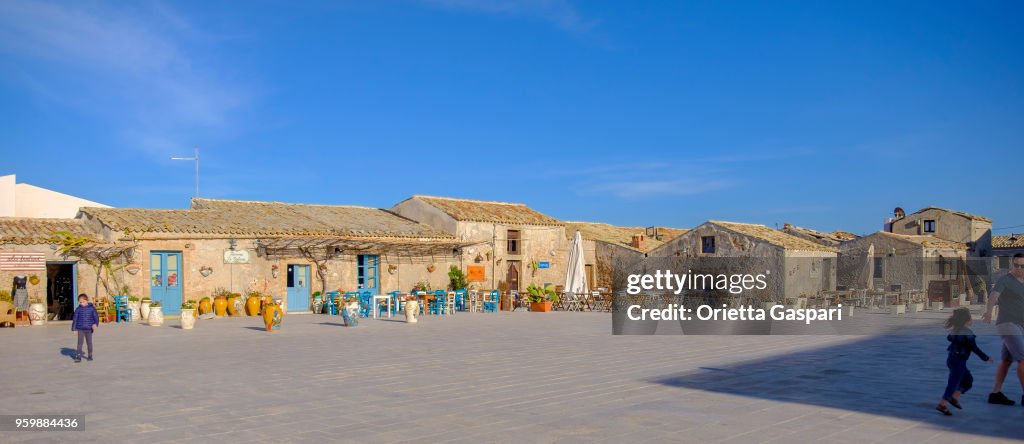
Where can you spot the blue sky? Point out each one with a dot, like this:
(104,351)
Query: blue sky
(821,114)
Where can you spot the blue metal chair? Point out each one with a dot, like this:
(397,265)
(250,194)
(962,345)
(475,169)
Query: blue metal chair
(460,299)
(418,293)
(395,303)
(121,309)
(330,307)
(491,301)
(365,304)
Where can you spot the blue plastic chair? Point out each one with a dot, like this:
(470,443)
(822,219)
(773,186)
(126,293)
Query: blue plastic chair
(365,304)
(394,301)
(491,301)
(121,309)
(330,307)
(440,302)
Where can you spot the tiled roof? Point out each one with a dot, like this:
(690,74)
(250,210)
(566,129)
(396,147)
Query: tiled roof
(1008,241)
(926,240)
(832,239)
(774,237)
(958,213)
(466,210)
(621,236)
(248,218)
(24,230)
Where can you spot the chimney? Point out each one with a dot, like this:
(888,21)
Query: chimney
(638,241)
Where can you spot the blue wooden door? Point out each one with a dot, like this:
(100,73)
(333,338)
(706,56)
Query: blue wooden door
(298,288)
(366,272)
(165,280)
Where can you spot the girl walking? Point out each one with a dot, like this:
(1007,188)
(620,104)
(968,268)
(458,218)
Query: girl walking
(962,344)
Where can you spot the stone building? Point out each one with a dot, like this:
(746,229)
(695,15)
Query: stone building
(24,200)
(510,245)
(25,250)
(883,260)
(806,268)
(287,250)
(604,245)
(973,231)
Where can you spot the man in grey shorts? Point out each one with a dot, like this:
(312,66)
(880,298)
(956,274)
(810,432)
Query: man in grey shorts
(1008,294)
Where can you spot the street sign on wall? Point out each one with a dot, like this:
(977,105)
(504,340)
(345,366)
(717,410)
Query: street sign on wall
(236,256)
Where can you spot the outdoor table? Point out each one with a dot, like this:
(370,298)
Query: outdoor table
(376,304)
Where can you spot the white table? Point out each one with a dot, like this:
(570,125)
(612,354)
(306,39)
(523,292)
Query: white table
(376,304)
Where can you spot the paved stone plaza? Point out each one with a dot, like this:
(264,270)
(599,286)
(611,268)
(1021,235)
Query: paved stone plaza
(505,377)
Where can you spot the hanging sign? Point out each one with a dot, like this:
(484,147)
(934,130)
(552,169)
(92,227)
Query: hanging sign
(22,261)
(544,264)
(236,256)
(475,273)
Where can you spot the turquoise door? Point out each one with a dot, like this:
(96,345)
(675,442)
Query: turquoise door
(165,280)
(366,272)
(298,288)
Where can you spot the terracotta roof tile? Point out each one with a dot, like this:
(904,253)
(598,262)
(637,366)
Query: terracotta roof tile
(618,235)
(1008,241)
(774,237)
(466,210)
(926,240)
(25,231)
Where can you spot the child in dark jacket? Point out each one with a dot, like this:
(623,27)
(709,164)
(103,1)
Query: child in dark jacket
(85,321)
(962,344)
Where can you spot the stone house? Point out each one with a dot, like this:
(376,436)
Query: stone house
(510,245)
(832,239)
(604,245)
(883,260)
(806,268)
(25,250)
(287,250)
(971,230)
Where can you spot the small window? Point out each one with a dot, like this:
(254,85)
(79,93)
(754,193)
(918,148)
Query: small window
(878,268)
(707,244)
(1004,262)
(929,226)
(513,241)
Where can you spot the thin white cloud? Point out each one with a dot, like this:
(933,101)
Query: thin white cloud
(561,13)
(119,63)
(634,189)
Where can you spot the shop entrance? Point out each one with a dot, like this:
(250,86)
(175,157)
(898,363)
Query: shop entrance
(61,289)
(298,287)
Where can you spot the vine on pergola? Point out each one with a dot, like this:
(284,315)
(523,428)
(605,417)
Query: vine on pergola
(106,261)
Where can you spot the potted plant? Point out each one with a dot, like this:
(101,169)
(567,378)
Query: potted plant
(392,268)
(456,279)
(541,298)
(431,268)
(34,280)
(36,311)
(156,314)
(252,302)
(272,315)
(146,306)
(205,305)
(350,311)
(916,303)
(111,312)
(234,304)
(188,315)
(134,306)
(318,302)
(220,302)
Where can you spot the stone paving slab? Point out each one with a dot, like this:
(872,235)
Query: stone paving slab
(502,377)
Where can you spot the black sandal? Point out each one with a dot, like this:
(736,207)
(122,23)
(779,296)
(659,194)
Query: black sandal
(955,403)
(944,410)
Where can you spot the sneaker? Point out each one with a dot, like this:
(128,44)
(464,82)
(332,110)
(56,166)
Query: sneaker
(1000,398)
(78,359)
(90,359)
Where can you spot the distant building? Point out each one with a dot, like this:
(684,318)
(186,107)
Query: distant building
(888,261)
(799,267)
(604,243)
(513,244)
(971,230)
(1003,249)
(24,200)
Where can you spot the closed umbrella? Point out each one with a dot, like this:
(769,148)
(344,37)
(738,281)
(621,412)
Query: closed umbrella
(575,274)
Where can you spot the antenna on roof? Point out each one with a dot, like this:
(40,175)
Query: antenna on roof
(196,159)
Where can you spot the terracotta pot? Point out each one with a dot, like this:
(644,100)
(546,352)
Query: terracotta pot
(252,306)
(37,314)
(540,306)
(145,309)
(156,316)
(272,315)
(188,318)
(234,306)
(205,306)
(220,305)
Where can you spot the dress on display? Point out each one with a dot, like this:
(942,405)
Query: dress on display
(20,293)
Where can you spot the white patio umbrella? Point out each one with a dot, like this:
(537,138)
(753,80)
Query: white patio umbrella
(576,272)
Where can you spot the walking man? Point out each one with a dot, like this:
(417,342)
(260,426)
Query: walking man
(1008,294)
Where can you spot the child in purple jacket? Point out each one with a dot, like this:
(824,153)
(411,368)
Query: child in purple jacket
(85,321)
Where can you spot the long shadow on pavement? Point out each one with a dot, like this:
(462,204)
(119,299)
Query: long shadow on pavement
(900,377)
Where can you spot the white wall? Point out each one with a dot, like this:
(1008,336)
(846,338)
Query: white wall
(24,200)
